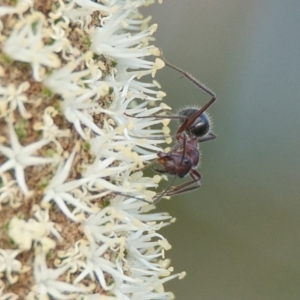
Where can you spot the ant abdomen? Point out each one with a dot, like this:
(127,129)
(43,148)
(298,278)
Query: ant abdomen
(200,127)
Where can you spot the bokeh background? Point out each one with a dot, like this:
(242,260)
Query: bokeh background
(238,236)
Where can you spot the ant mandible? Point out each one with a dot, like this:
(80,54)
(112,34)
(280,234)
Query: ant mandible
(184,156)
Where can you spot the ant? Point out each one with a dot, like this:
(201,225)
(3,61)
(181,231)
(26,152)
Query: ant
(184,157)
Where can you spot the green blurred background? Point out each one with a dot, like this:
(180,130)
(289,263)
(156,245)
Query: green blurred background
(238,236)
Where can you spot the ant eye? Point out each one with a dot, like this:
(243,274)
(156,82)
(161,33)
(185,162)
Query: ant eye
(186,161)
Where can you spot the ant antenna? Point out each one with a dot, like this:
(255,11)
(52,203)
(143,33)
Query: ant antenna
(155,201)
(137,198)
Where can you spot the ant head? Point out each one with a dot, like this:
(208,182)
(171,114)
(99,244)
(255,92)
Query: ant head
(200,127)
(174,163)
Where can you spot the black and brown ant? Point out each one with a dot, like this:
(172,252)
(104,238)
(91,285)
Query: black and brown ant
(184,156)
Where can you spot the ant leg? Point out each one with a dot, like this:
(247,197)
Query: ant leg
(200,85)
(190,78)
(176,190)
(160,195)
(157,116)
(137,198)
(206,138)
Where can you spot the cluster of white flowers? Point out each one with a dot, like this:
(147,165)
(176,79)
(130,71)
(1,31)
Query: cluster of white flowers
(74,217)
